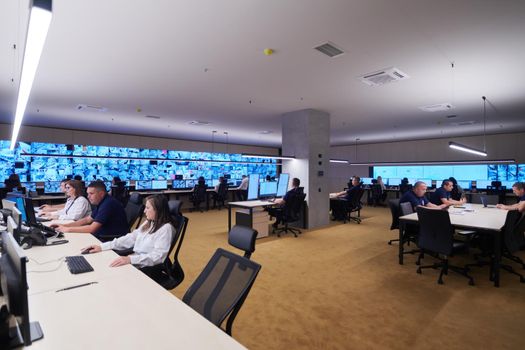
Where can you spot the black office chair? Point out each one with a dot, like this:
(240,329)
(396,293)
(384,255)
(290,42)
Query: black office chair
(354,205)
(173,273)
(120,193)
(243,238)
(220,290)
(134,209)
(377,194)
(198,196)
(395,210)
(289,213)
(404,187)
(436,237)
(220,197)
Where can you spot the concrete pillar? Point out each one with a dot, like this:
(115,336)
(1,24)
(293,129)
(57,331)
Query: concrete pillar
(306,135)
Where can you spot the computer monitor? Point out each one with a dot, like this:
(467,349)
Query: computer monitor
(482,184)
(143,185)
(411,181)
(394,181)
(366,180)
(268,189)
(464,184)
(19,200)
(178,184)
(52,187)
(508,184)
(159,184)
(253,186)
(30,186)
(282,185)
(14,287)
(178,177)
(30,211)
(428,182)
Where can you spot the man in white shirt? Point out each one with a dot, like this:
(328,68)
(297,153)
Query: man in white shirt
(242,190)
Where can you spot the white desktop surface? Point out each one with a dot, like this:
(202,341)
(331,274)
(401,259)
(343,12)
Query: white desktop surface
(123,310)
(480,217)
(250,204)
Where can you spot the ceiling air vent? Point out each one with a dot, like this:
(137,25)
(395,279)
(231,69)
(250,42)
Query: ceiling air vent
(437,107)
(329,49)
(470,122)
(198,122)
(153,117)
(383,76)
(91,108)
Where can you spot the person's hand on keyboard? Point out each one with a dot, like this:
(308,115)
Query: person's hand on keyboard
(120,261)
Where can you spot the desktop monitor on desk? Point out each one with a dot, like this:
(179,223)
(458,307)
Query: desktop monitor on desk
(159,184)
(52,187)
(366,180)
(394,181)
(464,184)
(268,189)
(483,184)
(14,287)
(19,201)
(428,182)
(282,186)
(253,187)
(143,185)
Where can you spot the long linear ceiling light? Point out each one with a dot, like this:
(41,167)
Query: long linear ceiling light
(249,155)
(343,161)
(145,159)
(39,20)
(463,148)
(444,162)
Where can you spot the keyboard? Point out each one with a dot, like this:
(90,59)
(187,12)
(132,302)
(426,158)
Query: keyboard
(78,264)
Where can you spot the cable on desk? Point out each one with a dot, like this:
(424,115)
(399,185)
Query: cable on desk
(60,260)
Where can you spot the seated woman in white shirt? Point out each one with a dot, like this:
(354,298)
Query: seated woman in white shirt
(76,207)
(150,242)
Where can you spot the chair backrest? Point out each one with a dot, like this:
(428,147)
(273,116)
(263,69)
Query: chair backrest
(199,193)
(243,238)
(395,210)
(119,193)
(222,190)
(355,201)
(513,229)
(134,208)
(293,206)
(222,287)
(175,207)
(404,187)
(406,208)
(435,230)
(376,190)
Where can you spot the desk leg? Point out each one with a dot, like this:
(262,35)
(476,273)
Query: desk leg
(207,201)
(229,218)
(401,242)
(497,256)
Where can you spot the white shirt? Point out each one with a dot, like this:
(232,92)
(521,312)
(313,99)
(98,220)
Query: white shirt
(244,184)
(149,249)
(75,209)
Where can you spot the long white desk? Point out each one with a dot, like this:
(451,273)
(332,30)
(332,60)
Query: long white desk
(123,310)
(253,207)
(473,216)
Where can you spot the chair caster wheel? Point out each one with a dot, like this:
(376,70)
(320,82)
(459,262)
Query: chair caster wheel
(440,282)
(471,283)
(389,243)
(418,270)
(522,280)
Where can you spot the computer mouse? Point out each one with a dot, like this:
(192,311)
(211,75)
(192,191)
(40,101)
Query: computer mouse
(60,234)
(86,251)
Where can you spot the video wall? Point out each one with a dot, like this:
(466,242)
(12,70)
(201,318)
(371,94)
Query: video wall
(45,162)
(489,172)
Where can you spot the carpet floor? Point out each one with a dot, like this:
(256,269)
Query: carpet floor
(341,287)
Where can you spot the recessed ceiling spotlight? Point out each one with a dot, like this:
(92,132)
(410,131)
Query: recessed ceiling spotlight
(83,107)
(199,122)
(437,107)
(264,132)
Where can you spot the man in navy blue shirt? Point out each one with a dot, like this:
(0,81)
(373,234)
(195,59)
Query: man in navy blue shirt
(277,212)
(108,218)
(443,195)
(337,200)
(417,197)
(519,190)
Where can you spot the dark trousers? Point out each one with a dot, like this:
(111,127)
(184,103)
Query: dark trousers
(338,208)
(277,213)
(242,195)
(156,273)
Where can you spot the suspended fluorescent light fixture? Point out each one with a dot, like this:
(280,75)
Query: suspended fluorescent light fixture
(249,155)
(460,147)
(444,162)
(39,20)
(343,161)
(463,148)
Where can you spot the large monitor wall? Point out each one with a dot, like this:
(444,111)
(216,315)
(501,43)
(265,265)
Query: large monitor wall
(44,162)
(490,172)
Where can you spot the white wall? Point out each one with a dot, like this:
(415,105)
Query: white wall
(66,136)
(501,146)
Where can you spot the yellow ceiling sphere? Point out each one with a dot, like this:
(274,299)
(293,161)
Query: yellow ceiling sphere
(268,52)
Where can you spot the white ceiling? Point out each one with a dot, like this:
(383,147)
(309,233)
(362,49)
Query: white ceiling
(203,60)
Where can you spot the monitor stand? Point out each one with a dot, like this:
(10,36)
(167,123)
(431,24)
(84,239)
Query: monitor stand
(16,338)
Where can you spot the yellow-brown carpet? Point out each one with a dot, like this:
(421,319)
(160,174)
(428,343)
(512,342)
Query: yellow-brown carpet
(341,287)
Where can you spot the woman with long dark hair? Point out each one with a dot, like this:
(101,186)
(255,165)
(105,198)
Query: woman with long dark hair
(150,242)
(77,206)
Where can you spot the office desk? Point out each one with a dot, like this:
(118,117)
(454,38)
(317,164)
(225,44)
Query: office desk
(48,198)
(123,310)
(489,220)
(185,192)
(253,207)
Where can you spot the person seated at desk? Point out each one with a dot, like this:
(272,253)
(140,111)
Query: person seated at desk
(216,190)
(13,184)
(443,195)
(457,192)
(417,197)
(277,211)
(108,217)
(519,190)
(48,208)
(151,242)
(76,207)
(404,186)
(337,200)
(242,190)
